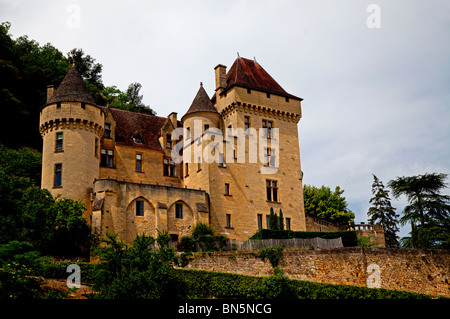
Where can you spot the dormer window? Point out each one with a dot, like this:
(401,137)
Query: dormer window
(107,130)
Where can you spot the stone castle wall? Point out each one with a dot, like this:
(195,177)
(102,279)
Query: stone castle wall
(416,270)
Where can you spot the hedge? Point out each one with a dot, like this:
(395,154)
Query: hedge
(207,284)
(348,237)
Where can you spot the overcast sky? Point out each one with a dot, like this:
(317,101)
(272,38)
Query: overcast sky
(376,100)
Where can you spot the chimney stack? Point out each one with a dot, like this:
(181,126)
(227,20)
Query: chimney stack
(173,118)
(50,91)
(221,77)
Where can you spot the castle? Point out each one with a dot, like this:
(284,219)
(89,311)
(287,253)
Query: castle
(225,162)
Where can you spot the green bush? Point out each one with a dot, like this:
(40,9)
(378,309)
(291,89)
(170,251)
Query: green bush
(209,284)
(273,254)
(348,237)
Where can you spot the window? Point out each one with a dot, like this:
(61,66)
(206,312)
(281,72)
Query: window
(179,210)
(269,157)
(246,122)
(221,164)
(168,141)
(139,208)
(228,220)
(205,127)
(107,158)
(58,105)
(267,128)
(272,190)
(96,148)
(227,189)
(169,167)
(249,91)
(267,221)
(288,223)
(186,170)
(268,95)
(259,219)
(138,162)
(173,237)
(58,175)
(59,142)
(83,105)
(107,130)
(287,99)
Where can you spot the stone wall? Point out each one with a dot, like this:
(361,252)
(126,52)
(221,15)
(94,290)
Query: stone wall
(417,270)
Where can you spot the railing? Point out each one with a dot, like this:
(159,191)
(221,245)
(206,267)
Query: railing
(257,244)
(378,228)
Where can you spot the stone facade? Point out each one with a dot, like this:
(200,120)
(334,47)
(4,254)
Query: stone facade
(417,270)
(120,163)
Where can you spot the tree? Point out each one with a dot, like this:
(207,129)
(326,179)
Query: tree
(428,211)
(326,204)
(138,272)
(129,100)
(381,212)
(281,220)
(273,220)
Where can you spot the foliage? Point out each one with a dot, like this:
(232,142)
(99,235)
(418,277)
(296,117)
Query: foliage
(364,241)
(276,222)
(137,272)
(209,284)
(203,237)
(327,205)
(428,210)
(383,213)
(273,254)
(29,213)
(348,237)
(26,68)
(18,260)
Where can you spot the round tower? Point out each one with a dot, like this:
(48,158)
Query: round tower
(71,125)
(202,115)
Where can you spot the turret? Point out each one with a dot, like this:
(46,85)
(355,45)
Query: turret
(71,125)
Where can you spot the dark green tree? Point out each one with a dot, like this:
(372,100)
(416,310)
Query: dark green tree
(281,220)
(381,212)
(326,204)
(428,211)
(138,271)
(273,220)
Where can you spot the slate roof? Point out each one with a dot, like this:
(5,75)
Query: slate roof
(201,103)
(250,74)
(138,129)
(72,89)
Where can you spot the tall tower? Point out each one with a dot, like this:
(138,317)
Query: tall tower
(200,117)
(247,97)
(71,125)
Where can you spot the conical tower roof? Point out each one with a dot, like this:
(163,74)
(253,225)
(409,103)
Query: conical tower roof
(201,103)
(72,89)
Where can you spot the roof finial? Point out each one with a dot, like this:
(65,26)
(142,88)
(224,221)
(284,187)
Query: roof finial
(238,55)
(254,59)
(201,83)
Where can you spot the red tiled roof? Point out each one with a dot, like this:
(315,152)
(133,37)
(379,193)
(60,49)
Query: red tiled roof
(249,74)
(130,125)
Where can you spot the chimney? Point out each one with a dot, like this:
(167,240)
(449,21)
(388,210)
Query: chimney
(50,91)
(221,76)
(173,118)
